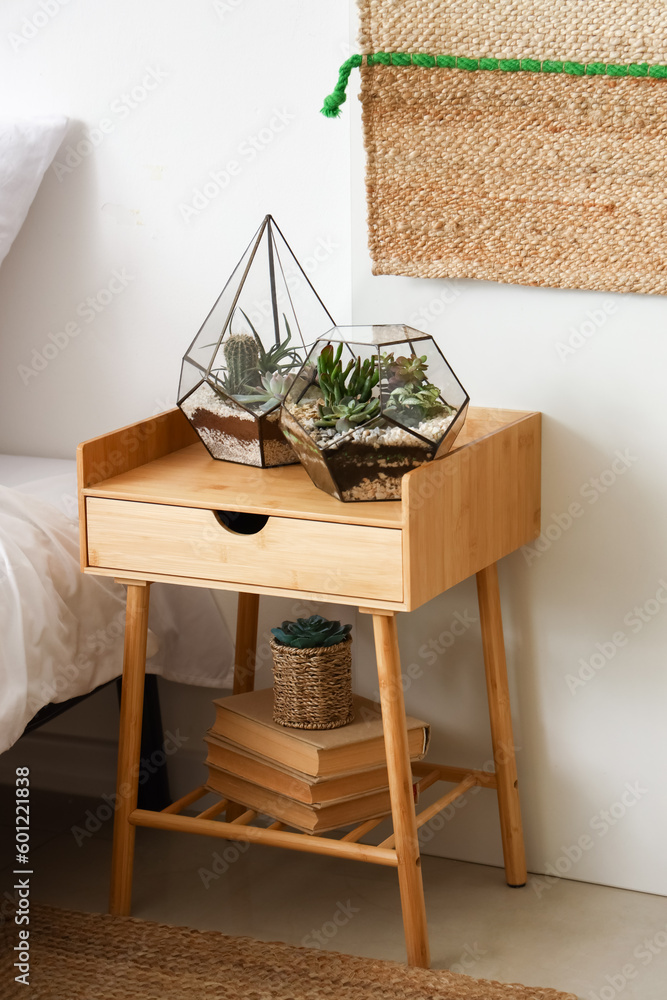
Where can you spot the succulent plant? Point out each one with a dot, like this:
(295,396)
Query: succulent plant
(311,633)
(414,403)
(348,413)
(347,392)
(274,388)
(356,381)
(278,358)
(247,362)
(401,371)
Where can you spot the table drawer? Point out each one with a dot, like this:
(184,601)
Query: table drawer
(287,553)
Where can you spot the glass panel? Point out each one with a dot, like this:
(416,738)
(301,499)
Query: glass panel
(190,376)
(370,404)
(202,347)
(369,462)
(311,315)
(378,335)
(419,390)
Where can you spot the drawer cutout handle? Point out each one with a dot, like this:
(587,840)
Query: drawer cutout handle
(241,522)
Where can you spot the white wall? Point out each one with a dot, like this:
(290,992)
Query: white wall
(233,82)
(581,743)
(227,67)
(229,87)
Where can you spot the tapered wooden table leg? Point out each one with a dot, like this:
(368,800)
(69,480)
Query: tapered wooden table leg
(501,725)
(245,651)
(245,654)
(400,790)
(129,747)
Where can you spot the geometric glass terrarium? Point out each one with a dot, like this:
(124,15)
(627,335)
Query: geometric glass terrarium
(244,358)
(370,404)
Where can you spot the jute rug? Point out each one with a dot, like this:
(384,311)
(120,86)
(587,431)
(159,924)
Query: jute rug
(519,141)
(80,956)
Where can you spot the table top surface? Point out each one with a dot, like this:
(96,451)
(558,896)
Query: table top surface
(190,477)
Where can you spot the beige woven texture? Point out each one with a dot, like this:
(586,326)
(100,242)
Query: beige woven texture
(312,687)
(528,178)
(82,956)
(581,30)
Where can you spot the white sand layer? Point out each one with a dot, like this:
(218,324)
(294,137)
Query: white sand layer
(388,435)
(230,448)
(205,398)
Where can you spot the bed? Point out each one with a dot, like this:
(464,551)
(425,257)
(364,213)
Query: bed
(61,633)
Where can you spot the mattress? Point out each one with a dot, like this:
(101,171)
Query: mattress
(61,632)
(49,479)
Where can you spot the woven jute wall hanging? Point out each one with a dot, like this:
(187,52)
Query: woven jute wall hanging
(520,141)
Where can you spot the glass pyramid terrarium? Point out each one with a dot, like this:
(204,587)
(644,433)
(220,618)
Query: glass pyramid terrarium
(370,404)
(244,359)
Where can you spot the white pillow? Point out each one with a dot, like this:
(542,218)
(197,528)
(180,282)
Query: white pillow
(27,147)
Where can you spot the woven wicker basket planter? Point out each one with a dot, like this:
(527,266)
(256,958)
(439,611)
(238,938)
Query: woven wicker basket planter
(312,687)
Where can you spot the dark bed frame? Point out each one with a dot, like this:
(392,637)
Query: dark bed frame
(154,793)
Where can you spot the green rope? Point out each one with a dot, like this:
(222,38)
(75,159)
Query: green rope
(332,103)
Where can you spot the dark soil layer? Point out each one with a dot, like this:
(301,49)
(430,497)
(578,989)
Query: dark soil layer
(243,430)
(354,462)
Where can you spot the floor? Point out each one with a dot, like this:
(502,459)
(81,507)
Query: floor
(571,936)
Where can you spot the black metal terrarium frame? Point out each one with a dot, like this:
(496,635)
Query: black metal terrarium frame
(267,230)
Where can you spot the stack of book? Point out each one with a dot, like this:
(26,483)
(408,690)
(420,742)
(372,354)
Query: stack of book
(312,780)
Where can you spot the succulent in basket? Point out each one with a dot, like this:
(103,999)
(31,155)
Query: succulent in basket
(310,633)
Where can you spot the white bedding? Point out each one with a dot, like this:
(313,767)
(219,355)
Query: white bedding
(27,147)
(61,633)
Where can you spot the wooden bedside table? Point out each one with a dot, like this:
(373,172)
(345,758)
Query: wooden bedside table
(156,507)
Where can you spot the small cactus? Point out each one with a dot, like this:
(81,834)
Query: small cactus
(241,358)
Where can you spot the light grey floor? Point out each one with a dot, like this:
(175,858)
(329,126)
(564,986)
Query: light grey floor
(573,936)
